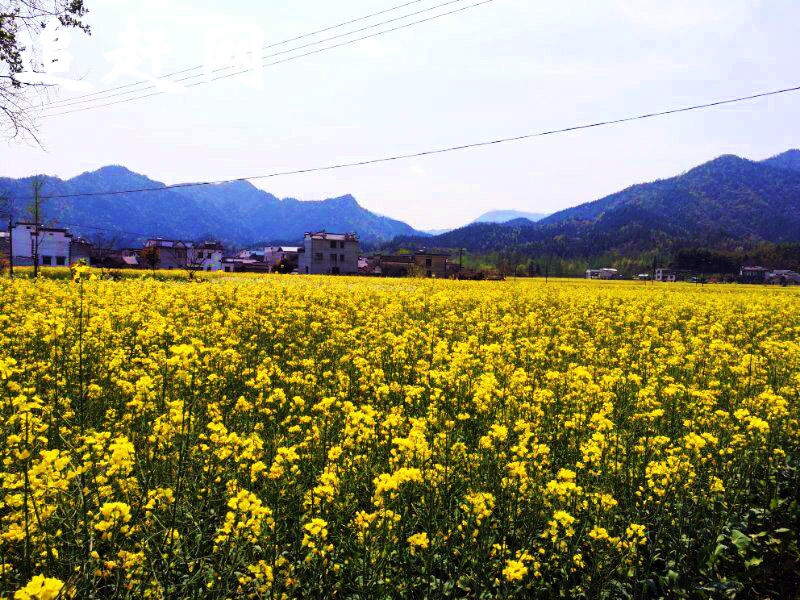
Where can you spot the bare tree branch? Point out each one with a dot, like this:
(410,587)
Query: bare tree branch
(18,19)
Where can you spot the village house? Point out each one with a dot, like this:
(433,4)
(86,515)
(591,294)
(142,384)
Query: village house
(4,249)
(176,254)
(604,273)
(257,255)
(672,275)
(131,259)
(329,254)
(283,258)
(419,264)
(368,266)
(245,261)
(783,277)
(80,249)
(753,274)
(55,247)
(168,254)
(206,257)
(666,275)
(231,264)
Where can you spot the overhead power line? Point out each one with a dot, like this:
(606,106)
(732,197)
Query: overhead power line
(291,58)
(267,47)
(108,230)
(95,96)
(649,115)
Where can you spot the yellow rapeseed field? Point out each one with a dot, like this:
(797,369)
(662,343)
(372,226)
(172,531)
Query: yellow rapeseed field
(273,437)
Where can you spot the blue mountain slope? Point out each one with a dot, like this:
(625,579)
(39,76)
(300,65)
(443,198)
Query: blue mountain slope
(237,213)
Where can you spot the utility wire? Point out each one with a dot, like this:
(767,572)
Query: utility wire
(441,150)
(76,101)
(106,229)
(267,47)
(347,43)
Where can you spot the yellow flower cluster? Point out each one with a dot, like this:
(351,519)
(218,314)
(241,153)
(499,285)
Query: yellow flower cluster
(40,588)
(317,437)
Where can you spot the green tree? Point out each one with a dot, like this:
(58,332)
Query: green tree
(151,257)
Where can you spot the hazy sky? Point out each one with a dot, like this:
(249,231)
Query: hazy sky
(506,68)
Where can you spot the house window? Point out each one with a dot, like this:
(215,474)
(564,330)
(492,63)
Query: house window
(333,258)
(47,260)
(341,244)
(333,244)
(61,260)
(318,257)
(341,258)
(428,262)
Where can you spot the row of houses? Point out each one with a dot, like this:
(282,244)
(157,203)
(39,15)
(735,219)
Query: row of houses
(665,275)
(773,276)
(322,253)
(325,253)
(747,274)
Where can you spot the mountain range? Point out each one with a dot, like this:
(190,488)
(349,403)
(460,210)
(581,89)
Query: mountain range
(237,213)
(724,204)
(727,203)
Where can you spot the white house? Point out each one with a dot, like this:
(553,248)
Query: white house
(605,273)
(53,245)
(329,254)
(4,244)
(666,275)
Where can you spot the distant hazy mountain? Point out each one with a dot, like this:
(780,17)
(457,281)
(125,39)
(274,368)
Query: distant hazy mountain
(725,203)
(503,216)
(236,213)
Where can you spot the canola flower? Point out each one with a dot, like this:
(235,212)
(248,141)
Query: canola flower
(417,542)
(40,588)
(290,437)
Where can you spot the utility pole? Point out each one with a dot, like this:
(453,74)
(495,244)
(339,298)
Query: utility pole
(37,186)
(10,214)
(653,279)
(10,246)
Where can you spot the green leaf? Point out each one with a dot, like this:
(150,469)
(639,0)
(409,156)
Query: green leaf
(672,577)
(740,540)
(753,562)
(719,550)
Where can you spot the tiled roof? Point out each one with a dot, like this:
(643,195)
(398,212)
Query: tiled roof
(339,237)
